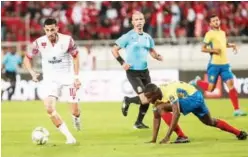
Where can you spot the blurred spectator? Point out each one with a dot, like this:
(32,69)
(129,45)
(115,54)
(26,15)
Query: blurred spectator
(199,10)
(10,64)
(190,18)
(108,19)
(3,31)
(175,11)
(87,59)
(77,16)
(111,13)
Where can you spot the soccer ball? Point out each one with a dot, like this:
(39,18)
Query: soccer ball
(40,135)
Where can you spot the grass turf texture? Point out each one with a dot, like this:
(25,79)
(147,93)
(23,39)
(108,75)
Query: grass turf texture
(106,133)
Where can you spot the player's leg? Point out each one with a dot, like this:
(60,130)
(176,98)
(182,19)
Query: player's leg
(136,81)
(145,79)
(204,116)
(213,73)
(227,76)
(166,114)
(74,103)
(181,137)
(218,123)
(50,103)
(137,85)
(12,85)
(10,79)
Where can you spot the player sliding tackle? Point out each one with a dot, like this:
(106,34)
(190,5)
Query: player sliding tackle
(182,97)
(215,43)
(60,67)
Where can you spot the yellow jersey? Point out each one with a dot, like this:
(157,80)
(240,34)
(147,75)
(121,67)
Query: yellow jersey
(216,39)
(174,90)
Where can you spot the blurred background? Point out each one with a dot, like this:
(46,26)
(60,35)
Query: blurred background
(177,28)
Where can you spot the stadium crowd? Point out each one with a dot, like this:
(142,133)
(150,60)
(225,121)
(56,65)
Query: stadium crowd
(108,20)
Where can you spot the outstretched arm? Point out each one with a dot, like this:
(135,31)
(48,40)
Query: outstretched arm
(155,55)
(233,46)
(175,118)
(156,125)
(2,67)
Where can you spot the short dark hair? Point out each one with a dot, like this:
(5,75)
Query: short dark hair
(50,21)
(212,16)
(151,88)
(153,92)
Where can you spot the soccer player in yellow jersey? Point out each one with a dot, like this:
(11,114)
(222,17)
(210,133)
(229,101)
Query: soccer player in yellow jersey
(216,44)
(182,97)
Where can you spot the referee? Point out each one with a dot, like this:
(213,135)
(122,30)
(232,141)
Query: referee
(137,45)
(11,61)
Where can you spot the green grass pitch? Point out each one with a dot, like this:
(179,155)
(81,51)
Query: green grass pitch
(106,133)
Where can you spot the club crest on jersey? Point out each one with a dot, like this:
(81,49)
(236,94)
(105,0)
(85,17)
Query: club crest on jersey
(172,98)
(212,78)
(43,44)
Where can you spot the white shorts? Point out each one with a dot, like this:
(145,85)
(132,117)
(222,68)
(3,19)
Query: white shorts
(67,92)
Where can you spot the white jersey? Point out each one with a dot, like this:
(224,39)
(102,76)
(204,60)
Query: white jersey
(57,59)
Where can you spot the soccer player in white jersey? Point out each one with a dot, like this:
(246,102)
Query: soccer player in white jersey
(60,67)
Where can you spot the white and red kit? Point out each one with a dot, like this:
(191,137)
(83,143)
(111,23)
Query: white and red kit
(57,64)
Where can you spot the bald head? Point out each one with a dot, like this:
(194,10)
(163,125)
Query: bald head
(137,14)
(138,21)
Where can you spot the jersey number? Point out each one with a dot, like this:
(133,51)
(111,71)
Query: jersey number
(73,92)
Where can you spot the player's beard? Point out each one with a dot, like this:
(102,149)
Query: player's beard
(216,27)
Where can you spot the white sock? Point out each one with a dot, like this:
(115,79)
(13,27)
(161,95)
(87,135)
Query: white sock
(65,131)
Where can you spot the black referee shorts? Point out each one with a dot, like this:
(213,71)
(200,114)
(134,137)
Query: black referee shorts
(138,79)
(11,76)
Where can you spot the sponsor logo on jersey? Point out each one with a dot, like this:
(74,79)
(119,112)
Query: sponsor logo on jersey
(55,61)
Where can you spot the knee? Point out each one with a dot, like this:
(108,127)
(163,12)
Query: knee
(49,106)
(230,86)
(50,110)
(211,122)
(76,111)
(210,89)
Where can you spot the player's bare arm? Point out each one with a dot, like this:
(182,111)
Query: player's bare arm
(94,63)
(2,67)
(77,82)
(175,118)
(159,109)
(28,66)
(156,125)
(116,54)
(233,46)
(205,49)
(155,55)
